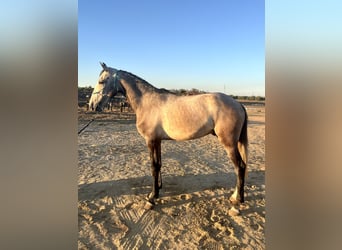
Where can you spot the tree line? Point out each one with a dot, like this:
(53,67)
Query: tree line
(84,93)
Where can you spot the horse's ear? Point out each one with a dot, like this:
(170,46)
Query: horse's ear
(104,66)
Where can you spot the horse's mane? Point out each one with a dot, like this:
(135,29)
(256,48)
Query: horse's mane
(146,84)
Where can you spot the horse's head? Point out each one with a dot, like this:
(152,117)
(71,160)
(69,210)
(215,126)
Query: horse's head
(107,86)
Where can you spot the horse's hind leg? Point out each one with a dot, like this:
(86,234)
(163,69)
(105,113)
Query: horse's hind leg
(240,170)
(155,155)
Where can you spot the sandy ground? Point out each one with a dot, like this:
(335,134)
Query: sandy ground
(192,212)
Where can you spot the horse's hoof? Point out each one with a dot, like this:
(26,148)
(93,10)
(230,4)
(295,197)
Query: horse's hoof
(234,211)
(151,197)
(149,205)
(234,201)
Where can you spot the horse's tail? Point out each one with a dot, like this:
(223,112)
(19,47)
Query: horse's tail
(243,142)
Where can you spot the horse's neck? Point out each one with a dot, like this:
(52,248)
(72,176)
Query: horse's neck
(136,89)
(133,93)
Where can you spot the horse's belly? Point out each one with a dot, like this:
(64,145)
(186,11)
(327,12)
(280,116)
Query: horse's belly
(181,131)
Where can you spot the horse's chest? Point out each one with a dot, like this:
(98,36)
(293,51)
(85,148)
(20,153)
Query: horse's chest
(142,128)
(150,128)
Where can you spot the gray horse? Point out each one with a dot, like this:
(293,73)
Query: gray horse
(161,115)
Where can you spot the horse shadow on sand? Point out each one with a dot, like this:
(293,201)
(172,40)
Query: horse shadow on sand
(172,186)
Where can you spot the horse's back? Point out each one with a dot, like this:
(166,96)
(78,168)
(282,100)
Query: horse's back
(189,117)
(214,105)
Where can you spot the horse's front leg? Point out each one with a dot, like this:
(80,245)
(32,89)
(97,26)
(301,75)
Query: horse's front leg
(155,155)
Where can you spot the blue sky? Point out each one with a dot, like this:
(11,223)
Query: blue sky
(216,46)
